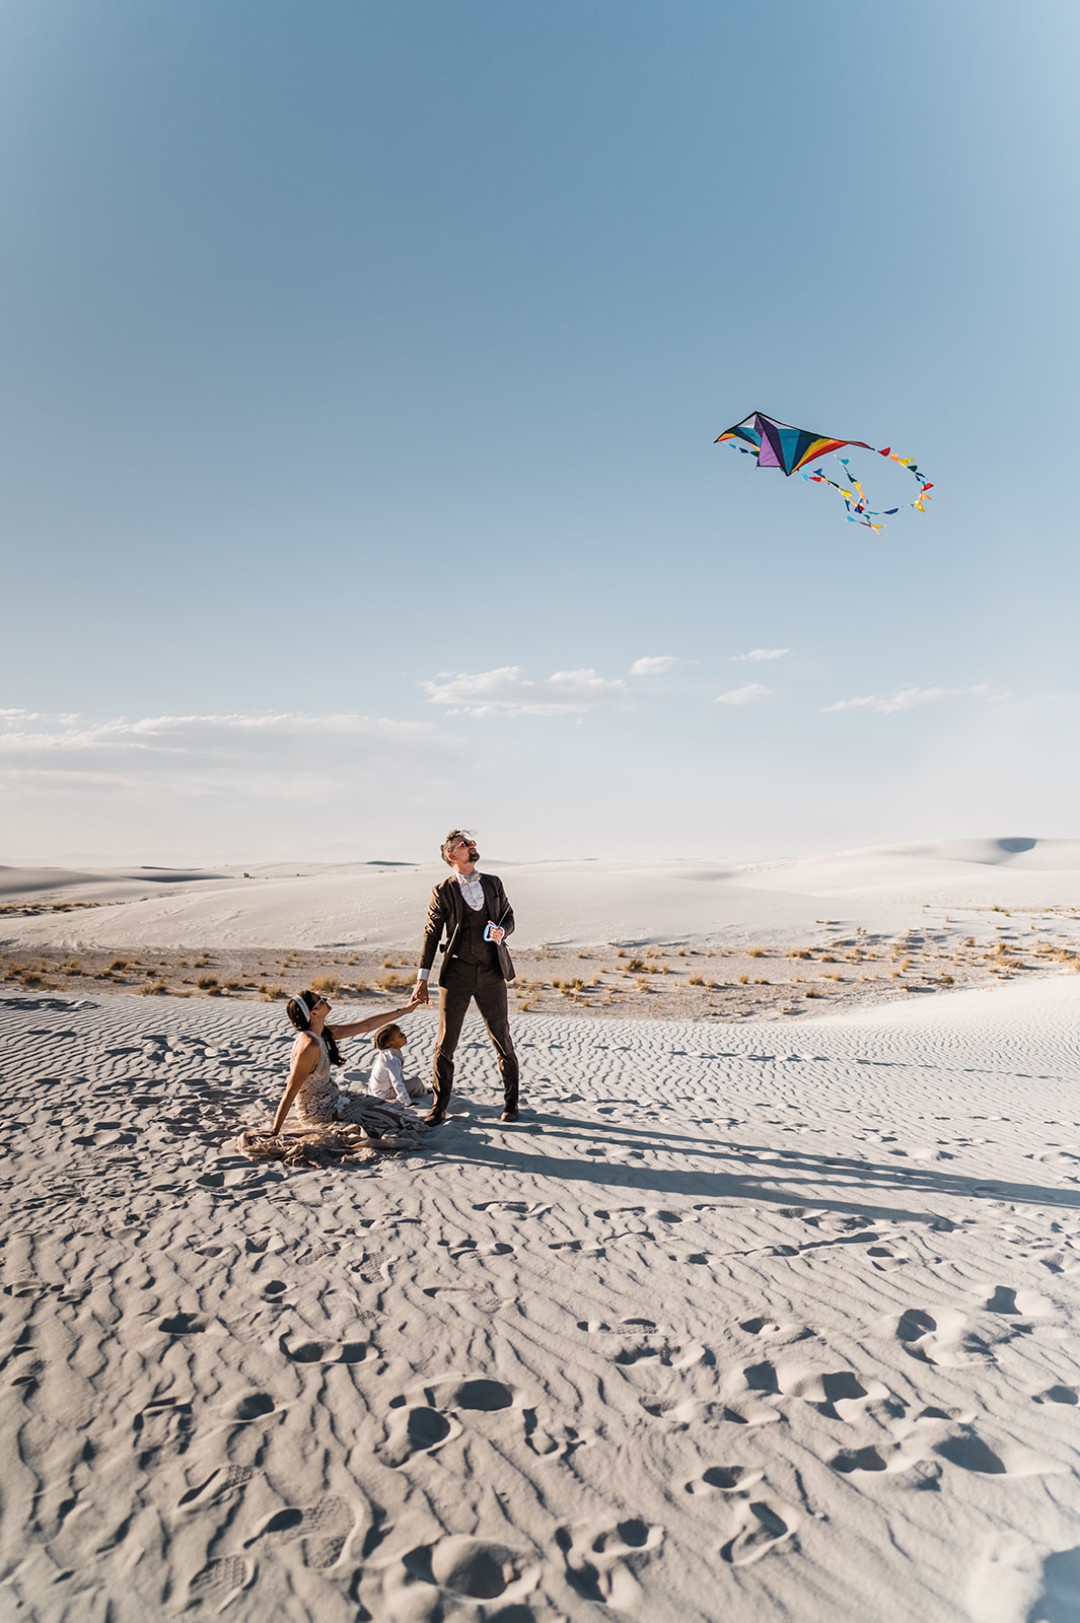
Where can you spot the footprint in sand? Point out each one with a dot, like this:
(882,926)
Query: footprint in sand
(219,1485)
(841,1395)
(885,1259)
(680,1412)
(1026,1304)
(218,1583)
(477,1393)
(184,1324)
(1058,1394)
(766,1525)
(417,1430)
(320,1352)
(970,1452)
(769,1328)
(464,1569)
(249,1406)
(164,1423)
(724,1479)
(870,1461)
(321,1529)
(944,1341)
(522,1208)
(421,1428)
(555,1443)
(601,1564)
(625,1327)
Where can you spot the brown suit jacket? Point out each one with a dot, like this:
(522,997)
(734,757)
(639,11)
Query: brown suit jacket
(445,913)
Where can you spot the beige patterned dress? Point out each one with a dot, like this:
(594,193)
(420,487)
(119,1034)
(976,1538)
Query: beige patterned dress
(320,1100)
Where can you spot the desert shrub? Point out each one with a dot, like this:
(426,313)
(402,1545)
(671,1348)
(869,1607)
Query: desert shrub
(386,983)
(206,982)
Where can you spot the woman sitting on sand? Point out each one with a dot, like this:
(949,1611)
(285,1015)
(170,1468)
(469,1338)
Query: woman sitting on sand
(317,1096)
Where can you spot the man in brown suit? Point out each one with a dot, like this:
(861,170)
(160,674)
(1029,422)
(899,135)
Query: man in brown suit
(472,911)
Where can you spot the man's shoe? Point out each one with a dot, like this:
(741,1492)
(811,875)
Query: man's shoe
(434,1117)
(510,1114)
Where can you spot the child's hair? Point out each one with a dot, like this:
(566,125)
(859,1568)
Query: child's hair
(302,1021)
(382,1037)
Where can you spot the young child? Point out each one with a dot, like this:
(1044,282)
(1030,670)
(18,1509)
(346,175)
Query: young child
(387,1080)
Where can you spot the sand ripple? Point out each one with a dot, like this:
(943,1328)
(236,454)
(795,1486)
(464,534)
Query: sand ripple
(739,1321)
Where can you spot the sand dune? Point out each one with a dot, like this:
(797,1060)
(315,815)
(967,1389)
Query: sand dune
(744,1322)
(569,903)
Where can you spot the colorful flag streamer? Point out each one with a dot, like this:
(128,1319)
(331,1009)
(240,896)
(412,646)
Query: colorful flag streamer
(792,450)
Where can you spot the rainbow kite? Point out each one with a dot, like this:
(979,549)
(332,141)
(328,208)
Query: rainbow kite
(778,445)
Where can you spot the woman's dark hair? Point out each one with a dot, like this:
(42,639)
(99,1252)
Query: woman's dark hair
(302,1023)
(382,1037)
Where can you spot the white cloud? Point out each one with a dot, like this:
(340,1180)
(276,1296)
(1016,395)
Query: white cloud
(744,695)
(283,754)
(756,654)
(653,665)
(505,692)
(906,699)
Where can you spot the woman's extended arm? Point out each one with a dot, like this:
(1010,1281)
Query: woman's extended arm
(304,1062)
(356,1028)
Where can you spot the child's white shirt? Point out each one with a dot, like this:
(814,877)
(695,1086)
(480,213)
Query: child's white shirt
(387,1079)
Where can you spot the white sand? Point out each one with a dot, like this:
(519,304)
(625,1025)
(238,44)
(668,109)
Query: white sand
(569,903)
(751,1323)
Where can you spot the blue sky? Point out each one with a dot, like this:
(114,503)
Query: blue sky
(362,365)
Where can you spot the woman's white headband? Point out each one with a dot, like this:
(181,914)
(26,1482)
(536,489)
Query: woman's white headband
(301,1004)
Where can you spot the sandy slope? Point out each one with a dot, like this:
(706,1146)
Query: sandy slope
(746,1322)
(379,906)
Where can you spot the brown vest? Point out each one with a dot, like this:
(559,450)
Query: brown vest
(470,947)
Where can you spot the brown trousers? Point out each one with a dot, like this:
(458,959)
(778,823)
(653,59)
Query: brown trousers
(464,982)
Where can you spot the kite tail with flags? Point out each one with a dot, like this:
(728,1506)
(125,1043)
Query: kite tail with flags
(792,450)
